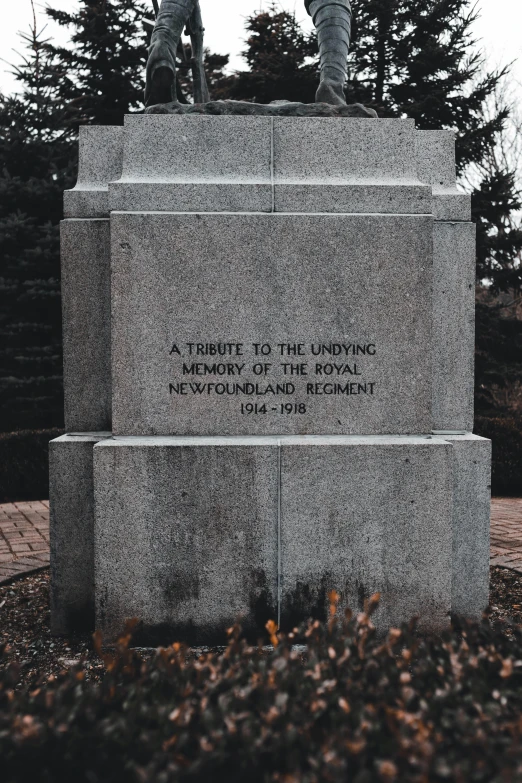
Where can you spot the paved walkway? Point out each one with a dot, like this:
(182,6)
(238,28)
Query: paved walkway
(506,533)
(24,536)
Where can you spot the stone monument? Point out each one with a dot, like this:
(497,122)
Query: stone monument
(268,365)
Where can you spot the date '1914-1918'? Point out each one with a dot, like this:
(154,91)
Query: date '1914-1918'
(288,408)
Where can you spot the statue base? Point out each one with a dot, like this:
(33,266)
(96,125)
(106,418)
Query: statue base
(336,261)
(275,109)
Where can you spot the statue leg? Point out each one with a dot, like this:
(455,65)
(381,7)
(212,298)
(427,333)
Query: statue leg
(201,94)
(333,20)
(161,65)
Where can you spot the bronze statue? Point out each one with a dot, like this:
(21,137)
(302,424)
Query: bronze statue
(332,19)
(173,17)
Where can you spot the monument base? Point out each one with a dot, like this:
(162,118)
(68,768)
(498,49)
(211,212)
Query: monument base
(192,534)
(284,292)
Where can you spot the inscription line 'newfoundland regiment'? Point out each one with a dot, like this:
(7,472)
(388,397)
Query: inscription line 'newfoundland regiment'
(253,389)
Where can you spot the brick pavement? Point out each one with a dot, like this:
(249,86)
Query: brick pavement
(506,533)
(24,536)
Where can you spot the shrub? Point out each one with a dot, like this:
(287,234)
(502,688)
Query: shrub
(24,464)
(353,707)
(506,434)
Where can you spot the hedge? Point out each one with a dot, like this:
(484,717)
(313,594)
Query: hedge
(24,464)
(351,708)
(506,434)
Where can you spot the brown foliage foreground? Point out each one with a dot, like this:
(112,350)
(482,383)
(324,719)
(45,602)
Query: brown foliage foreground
(351,707)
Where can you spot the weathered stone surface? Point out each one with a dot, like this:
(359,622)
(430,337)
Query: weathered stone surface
(355,514)
(186,537)
(436,166)
(260,164)
(274,280)
(436,157)
(195,149)
(353,166)
(450,205)
(321,151)
(453,326)
(363,516)
(72,532)
(275,109)
(353,198)
(86,307)
(100,162)
(186,164)
(191,197)
(471,524)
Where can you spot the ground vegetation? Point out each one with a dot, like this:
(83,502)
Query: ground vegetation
(331,702)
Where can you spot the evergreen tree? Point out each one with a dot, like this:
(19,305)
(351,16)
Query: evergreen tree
(417,58)
(36,165)
(498,359)
(497,200)
(101,75)
(499,237)
(282,60)
(411,58)
(96,80)
(102,72)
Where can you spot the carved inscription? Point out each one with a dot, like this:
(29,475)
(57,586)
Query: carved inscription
(281,378)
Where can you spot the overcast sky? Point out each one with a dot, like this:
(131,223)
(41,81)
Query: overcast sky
(499,28)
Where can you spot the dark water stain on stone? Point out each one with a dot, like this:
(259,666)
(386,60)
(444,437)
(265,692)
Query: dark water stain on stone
(362,594)
(78,620)
(305,602)
(262,604)
(164,634)
(181,587)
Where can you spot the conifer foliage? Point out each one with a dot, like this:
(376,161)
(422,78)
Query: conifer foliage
(36,165)
(101,74)
(96,80)
(499,236)
(282,60)
(418,58)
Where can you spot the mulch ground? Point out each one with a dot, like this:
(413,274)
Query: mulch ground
(506,598)
(25,632)
(25,629)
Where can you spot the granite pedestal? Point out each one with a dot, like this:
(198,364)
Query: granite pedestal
(280,317)
(72,532)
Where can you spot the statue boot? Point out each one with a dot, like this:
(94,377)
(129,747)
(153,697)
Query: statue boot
(173,16)
(333,20)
